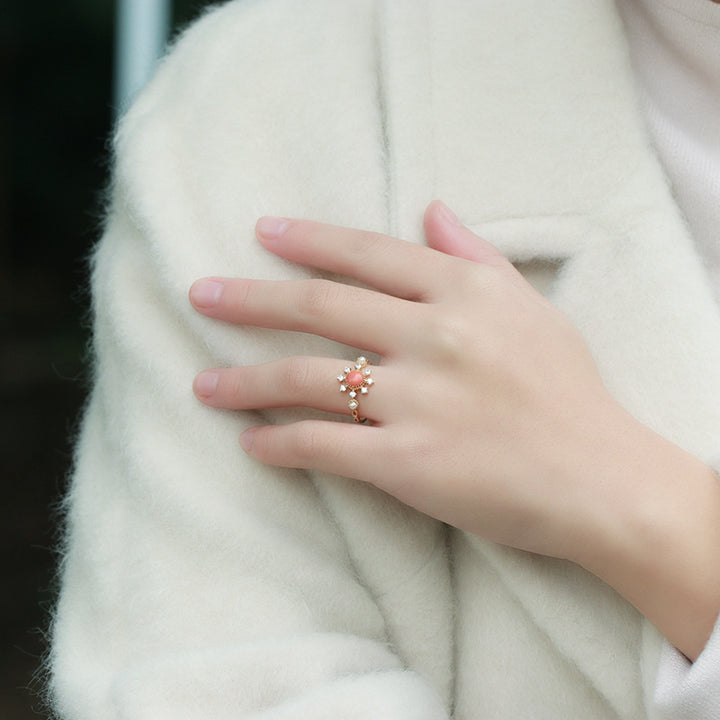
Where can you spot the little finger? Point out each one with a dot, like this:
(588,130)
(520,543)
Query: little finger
(353,451)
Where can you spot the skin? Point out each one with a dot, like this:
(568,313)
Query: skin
(497,421)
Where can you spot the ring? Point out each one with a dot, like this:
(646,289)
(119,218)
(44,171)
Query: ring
(355,381)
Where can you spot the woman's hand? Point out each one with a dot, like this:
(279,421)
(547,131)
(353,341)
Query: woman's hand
(487,410)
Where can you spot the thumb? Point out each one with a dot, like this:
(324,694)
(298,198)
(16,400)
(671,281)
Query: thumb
(444,232)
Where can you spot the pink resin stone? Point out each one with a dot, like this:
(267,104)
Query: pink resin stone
(354,378)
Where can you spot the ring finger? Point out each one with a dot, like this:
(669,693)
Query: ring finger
(294,382)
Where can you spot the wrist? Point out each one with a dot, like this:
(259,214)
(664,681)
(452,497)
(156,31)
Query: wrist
(654,534)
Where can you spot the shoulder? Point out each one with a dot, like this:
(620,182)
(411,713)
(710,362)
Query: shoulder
(269,68)
(260,107)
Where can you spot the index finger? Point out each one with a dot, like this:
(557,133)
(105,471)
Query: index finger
(395,267)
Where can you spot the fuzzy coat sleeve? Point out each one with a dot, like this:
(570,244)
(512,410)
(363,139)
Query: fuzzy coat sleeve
(685,690)
(197,583)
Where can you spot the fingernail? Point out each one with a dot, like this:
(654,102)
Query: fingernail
(271,227)
(206,293)
(206,384)
(448,214)
(246,439)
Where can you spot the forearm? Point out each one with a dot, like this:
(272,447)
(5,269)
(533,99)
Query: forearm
(659,543)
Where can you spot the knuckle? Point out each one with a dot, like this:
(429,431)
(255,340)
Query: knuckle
(233,387)
(404,451)
(362,244)
(296,376)
(242,294)
(373,242)
(418,448)
(411,452)
(476,281)
(451,338)
(316,298)
(306,443)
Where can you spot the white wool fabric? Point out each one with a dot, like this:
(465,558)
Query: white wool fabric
(675,51)
(198,583)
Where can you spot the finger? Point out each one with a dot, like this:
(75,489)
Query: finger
(395,267)
(353,316)
(447,234)
(354,451)
(292,382)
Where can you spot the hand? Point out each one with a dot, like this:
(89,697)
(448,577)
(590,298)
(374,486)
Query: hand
(487,412)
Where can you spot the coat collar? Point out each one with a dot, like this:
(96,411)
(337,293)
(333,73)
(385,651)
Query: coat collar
(513,113)
(526,122)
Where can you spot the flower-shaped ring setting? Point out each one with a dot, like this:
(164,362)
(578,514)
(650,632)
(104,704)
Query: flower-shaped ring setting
(356,381)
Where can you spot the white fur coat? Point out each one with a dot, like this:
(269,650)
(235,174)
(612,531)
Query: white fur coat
(198,583)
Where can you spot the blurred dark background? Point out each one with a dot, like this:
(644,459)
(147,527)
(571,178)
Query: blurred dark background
(56,118)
